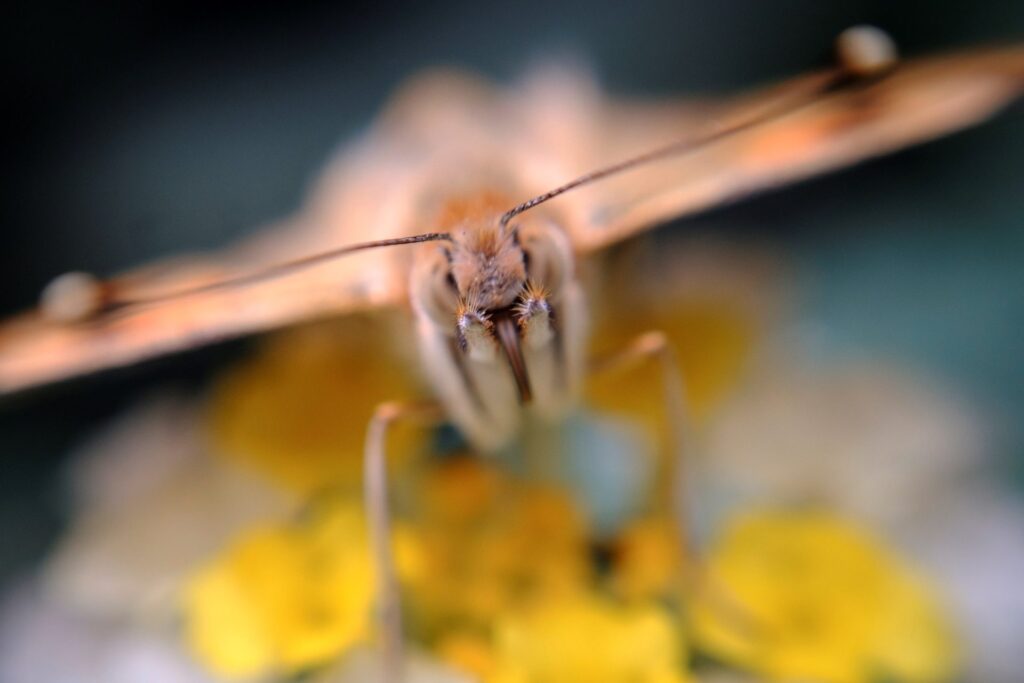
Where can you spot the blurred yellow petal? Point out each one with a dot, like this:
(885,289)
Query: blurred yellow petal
(711,343)
(283,598)
(489,541)
(227,632)
(647,560)
(912,643)
(469,652)
(459,490)
(712,300)
(587,639)
(806,596)
(297,411)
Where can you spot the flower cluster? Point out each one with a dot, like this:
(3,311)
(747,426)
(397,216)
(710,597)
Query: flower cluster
(505,576)
(241,551)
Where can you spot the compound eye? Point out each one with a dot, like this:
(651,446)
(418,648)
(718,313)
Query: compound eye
(548,256)
(433,288)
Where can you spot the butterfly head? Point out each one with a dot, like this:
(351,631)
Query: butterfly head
(487,265)
(494,288)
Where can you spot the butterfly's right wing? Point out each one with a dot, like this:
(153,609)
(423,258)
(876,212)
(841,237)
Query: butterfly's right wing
(920,100)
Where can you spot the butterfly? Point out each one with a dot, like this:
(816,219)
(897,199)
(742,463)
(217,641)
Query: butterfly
(476,177)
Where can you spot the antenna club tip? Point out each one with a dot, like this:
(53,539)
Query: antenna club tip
(72,297)
(866,50)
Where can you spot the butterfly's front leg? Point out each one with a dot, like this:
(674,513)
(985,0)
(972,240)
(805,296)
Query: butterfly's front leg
(671,481)
(375,490)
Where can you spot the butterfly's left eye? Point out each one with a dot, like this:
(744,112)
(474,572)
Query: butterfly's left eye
(547,255)
(434,290)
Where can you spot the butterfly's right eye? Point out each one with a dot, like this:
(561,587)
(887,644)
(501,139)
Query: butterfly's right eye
(547,255)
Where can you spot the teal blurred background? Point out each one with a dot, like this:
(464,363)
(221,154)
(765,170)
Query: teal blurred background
(144,129)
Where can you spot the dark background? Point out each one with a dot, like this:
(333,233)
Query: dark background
(135,130)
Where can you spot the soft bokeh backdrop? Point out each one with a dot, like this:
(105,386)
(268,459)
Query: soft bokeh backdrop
(147,129)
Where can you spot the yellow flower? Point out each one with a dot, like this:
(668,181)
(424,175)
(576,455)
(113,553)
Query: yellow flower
(713,301)
(283,598)
(488,542)
(711,344)
(588,639)
(458,491)
(805,596)
(297,411)
(468,651)
(647,560)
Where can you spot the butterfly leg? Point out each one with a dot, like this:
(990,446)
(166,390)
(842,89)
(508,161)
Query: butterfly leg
(655,346)
(375,488)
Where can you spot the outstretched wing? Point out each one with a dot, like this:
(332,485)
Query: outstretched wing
(918,101)
(440,129)
(35,350)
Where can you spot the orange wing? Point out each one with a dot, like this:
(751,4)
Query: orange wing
(920,100)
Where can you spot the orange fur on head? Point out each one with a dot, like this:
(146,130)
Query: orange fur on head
(486,261)
(477,207)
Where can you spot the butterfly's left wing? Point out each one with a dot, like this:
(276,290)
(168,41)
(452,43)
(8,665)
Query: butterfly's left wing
(918,101)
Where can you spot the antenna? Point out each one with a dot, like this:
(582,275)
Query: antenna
(862,51)
(74,297)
